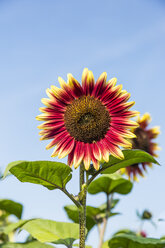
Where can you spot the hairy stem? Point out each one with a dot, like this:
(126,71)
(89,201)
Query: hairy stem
(77,203)
(82,210)
(96,174)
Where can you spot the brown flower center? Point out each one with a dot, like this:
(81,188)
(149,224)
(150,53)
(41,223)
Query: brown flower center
(141,141)
(87,119)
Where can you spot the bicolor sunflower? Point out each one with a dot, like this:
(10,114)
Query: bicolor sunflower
(143,141)
(87,122)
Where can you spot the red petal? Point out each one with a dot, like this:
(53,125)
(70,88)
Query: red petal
(113,149)
(119,100)
(104,149)
(78,153)
(121,107)
(123,122)
(87,82)
(50,134)
(117,139)
(61,95)
(57,139)
(70,158)
(67,148)
(96,151)
(75,86)
(87,156)
(60,145)
(100,85)
(111,94)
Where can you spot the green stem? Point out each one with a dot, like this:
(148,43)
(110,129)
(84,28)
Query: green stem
(96,174)
(105,221)
(77,203)
(82,210)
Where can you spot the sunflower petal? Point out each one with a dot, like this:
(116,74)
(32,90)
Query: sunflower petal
(75,86)
(87,82)
(65,150)
(87,156)
(100,85)
(78,153)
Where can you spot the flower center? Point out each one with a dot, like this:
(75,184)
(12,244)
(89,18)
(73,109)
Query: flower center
(87,119)
(141,141)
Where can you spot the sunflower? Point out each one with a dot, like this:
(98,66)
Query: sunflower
(87,122)
(143,141)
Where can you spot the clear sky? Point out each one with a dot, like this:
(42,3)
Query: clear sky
(43,39)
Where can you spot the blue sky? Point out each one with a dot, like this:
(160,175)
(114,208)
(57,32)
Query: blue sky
(41,40)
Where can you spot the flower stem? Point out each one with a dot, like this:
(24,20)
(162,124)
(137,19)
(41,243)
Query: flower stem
(105,221)
(82,210)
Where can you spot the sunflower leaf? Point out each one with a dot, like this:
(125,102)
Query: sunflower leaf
(93,215)
(11,207)
(33,244)
(10,165)
(51,175)
(130,241)
(109,184)
(73,214)
(130,157)
(52,231)
(87,246)
(105,244)
(14,226)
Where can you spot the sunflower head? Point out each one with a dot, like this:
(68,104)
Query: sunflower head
(143,141)
(87,122)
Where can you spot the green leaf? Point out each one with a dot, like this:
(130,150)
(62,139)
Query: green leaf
(51,175)
(110,184)
(52,231)
(125,231)
(105,244)
(10,165)
(87,246)
(11,207)
(130,157)
(33,244)
(73,214)
(14,226)
(131,241)
(114,202)
(93,215)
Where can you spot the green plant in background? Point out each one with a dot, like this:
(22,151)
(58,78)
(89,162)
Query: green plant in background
(90,124)
(8,208)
